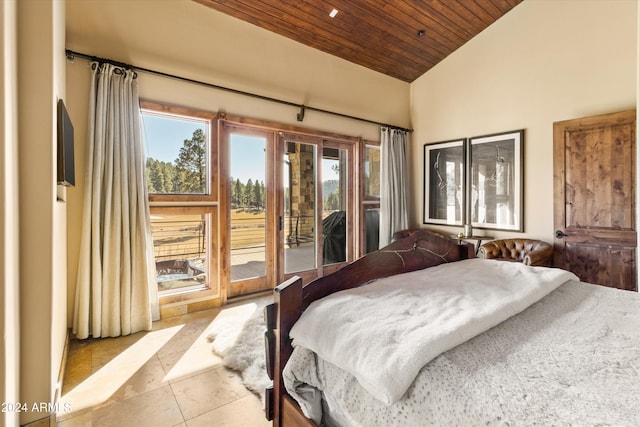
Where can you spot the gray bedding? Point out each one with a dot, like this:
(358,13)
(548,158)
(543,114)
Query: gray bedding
(571,359)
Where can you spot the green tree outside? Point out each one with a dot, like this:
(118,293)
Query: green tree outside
(191,164)
(187,174)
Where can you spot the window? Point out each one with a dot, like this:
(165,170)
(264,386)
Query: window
(179,159)
(178,153)
(182,245)
(176,160)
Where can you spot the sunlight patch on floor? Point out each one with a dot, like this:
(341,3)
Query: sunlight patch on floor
(101,385)
(226,327)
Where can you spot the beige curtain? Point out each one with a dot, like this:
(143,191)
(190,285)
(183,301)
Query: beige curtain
(116,270)
(394,215)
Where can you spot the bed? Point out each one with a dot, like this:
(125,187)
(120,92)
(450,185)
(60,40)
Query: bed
(550,350)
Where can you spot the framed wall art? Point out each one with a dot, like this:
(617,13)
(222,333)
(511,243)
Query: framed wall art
(495,183)
(444,182)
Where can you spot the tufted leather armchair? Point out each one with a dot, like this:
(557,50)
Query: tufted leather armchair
(527,251)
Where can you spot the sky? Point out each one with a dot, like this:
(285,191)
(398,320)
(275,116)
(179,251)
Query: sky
(163,139)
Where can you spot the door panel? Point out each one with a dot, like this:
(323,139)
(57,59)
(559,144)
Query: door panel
(594,201)
(592,263)
(300,207)
(335,220)
(251,210)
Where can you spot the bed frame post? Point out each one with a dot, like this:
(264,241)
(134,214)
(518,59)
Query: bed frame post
(288,307)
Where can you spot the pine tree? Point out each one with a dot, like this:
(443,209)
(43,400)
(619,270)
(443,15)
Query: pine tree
(238,192)
(248,193)
(191,164)
(160,176)
(257,195)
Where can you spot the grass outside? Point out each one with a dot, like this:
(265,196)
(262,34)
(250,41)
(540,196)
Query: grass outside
(247,228)
(183,236)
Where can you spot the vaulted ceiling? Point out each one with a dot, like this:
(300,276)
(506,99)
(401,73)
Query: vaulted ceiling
(399,38)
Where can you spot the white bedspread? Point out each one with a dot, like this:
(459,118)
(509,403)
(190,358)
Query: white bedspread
(385,332)
(572,359)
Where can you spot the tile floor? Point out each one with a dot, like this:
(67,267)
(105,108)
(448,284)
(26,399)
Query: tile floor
(166,377)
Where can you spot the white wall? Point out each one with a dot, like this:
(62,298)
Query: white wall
(190,40)
(542,62)
(59,289)
(42,254)
(9,268)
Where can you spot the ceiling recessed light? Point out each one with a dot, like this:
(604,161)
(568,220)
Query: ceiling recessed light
(333,12)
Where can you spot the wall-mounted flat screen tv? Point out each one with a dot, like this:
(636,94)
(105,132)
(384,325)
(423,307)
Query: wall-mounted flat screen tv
(66,167)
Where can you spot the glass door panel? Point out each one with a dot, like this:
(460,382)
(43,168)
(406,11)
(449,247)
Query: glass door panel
(248,216)
(371,227)
(334,205)
(371,198)
(299,221)
(372,172)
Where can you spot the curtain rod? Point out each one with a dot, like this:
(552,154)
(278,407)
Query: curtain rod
(302,108)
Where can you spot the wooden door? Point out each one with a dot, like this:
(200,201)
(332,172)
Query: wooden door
(594,173)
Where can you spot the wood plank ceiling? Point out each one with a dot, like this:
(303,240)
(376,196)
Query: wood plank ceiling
(401,38)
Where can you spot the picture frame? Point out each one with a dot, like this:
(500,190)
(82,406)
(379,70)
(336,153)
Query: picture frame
(444,182)
(495,185)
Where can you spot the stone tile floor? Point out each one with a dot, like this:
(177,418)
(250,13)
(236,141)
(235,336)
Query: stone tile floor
(166,377)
